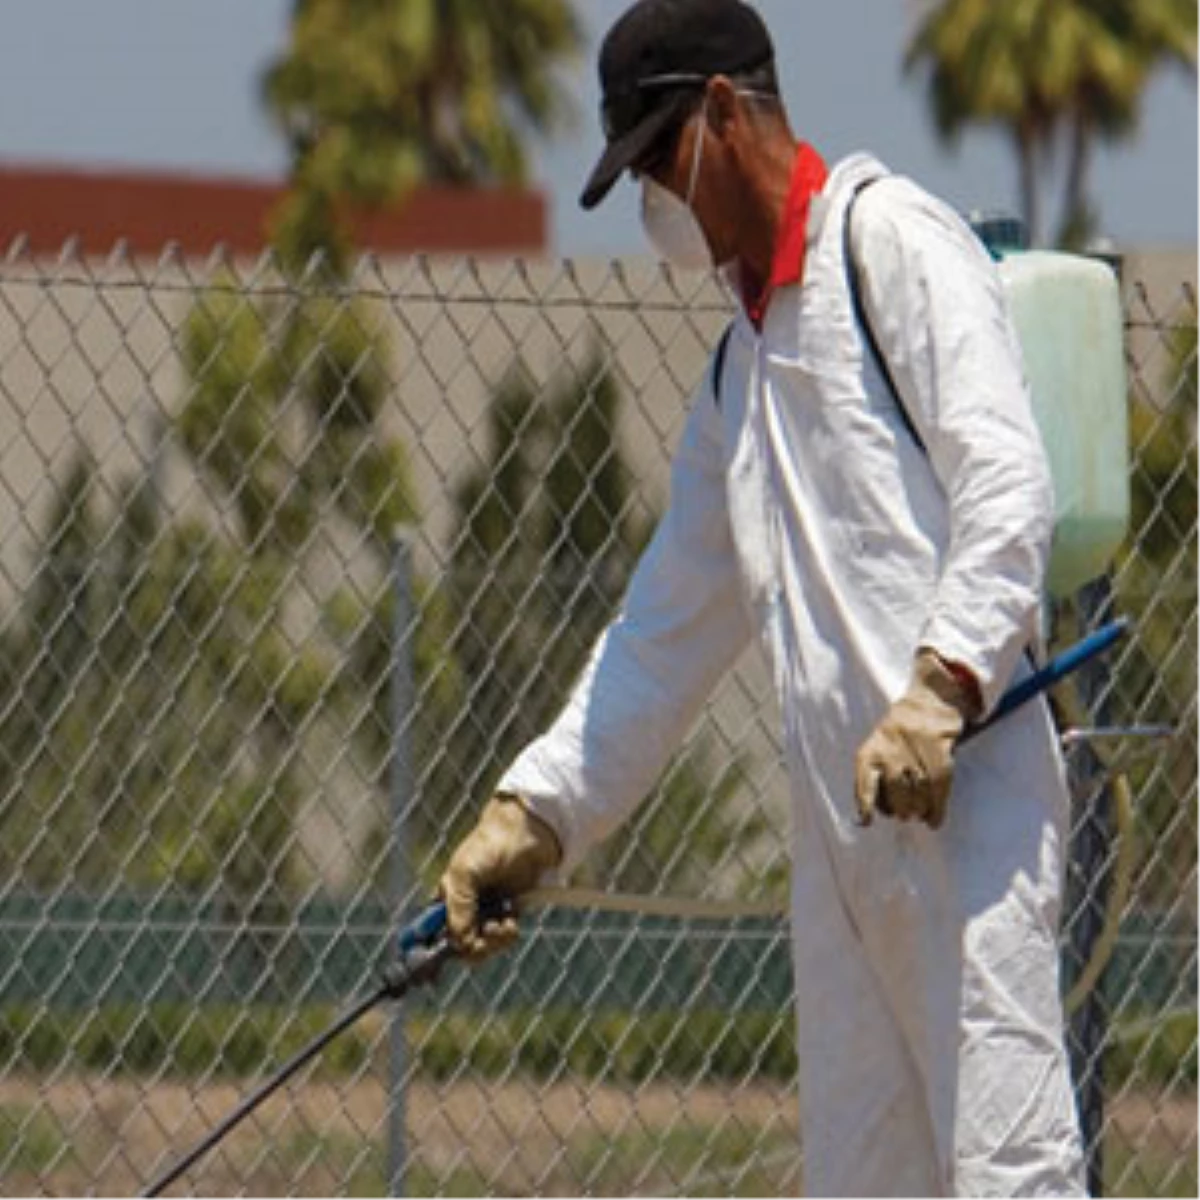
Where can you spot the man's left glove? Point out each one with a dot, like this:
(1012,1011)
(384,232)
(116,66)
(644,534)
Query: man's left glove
(506,852)
(905,768)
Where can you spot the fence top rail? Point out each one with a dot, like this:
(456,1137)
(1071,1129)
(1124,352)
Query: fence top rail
(615,285)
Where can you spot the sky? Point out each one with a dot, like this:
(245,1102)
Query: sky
(173,85)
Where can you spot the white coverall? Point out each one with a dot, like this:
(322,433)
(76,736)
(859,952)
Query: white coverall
(930,1031)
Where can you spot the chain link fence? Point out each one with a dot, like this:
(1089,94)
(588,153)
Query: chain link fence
(288,574)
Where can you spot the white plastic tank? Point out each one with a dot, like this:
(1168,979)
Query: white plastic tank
(1067,311)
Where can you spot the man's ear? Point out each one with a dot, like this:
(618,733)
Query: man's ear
(722,107)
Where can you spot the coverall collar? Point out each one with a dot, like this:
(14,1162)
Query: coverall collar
(809,174)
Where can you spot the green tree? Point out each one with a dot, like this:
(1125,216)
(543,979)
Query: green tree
(139,672)
(163,700)
(1156,575)
(547,536)
(1044,69)
(282,416)
(1117,55)
(377,96)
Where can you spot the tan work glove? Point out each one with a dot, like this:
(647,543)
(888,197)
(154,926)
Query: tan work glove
(905,768)
(505,853)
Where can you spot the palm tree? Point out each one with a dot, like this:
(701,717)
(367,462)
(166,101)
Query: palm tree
(1118,50)
(375,96)
(976,54)
(1039,68)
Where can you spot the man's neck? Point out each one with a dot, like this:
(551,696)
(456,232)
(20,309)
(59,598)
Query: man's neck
(766,198)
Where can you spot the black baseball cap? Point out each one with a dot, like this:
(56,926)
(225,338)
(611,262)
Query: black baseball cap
(652,63)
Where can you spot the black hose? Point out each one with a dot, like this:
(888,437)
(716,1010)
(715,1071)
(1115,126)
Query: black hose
(419,966)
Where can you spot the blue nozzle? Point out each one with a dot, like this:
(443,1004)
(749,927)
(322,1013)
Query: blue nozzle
(425,930)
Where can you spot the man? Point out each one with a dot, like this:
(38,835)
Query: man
(886,548)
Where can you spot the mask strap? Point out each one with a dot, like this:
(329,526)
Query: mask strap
(696,153)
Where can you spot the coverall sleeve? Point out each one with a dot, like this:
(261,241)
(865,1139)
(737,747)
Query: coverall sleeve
(939,313)
(682,624)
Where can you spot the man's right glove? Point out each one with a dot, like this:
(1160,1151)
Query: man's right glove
(506,853)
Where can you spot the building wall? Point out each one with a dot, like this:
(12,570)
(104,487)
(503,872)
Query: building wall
(145,212)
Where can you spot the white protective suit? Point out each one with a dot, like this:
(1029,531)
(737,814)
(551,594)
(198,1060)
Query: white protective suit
(926,967)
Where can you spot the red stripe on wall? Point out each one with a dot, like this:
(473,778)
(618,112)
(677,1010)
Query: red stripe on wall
(149,210)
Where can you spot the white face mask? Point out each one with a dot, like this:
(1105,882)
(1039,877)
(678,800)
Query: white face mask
(670,224)
(672,228)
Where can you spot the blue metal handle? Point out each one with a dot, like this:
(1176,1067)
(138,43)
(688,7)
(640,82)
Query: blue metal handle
(423,931)
(430,926)
(1057,668)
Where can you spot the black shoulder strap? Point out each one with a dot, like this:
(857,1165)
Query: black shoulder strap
(860,313)
(719,363)
(854,279)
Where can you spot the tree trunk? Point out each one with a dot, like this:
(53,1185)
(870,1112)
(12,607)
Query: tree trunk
(1030,206)
(1077,218)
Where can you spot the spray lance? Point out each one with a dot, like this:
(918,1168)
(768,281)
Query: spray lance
(423,947)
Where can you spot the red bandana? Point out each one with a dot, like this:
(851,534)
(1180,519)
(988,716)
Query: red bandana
(808,178)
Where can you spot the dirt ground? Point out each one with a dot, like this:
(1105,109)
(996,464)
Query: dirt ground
(91,1136)
(518,1138)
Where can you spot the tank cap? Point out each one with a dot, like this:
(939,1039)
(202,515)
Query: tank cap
(1000,232)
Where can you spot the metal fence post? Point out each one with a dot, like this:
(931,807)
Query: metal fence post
(402,783)
(1089,890)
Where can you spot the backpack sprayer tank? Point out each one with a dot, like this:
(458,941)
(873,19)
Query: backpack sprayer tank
(1067,312)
